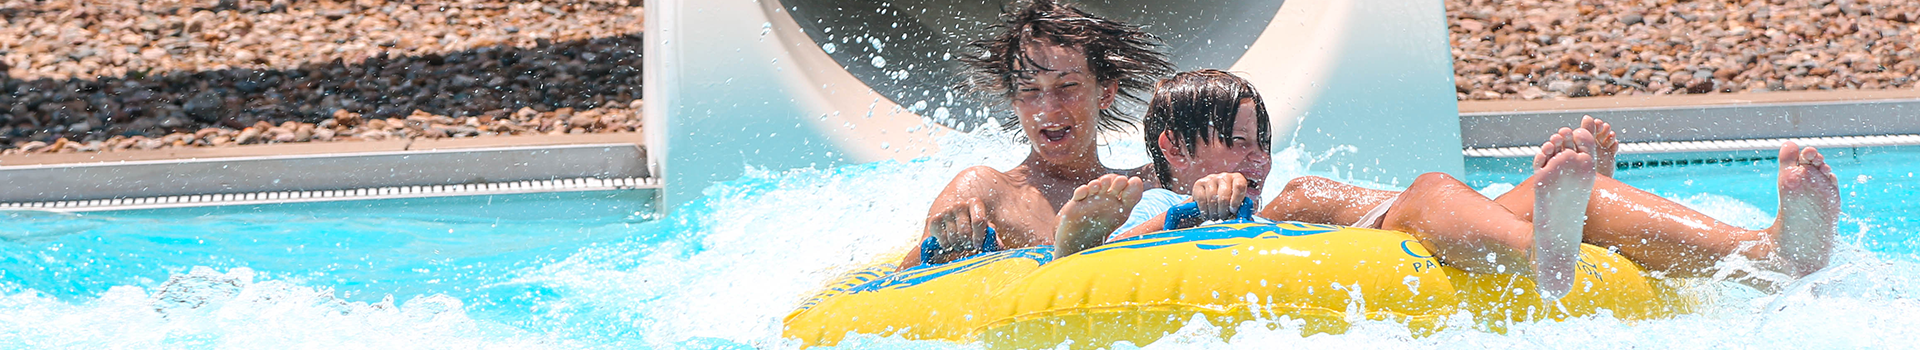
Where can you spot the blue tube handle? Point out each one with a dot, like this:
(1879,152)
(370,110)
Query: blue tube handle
(932,245)
(1191,210)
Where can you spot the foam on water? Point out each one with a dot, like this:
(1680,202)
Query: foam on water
(723,271)
(208,309)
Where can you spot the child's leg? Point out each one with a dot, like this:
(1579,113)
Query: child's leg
(1463,228)
(1471,232)
(1318,200)
(1665,236)
(1655,232)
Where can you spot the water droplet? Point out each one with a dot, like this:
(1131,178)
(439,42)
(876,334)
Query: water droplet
(941,114)
(829,47)
(879,62)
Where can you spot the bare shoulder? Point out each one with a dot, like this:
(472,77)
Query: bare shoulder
(980,172)
(978,178)
(979,175)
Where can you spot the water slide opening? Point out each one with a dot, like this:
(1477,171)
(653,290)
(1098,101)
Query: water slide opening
(906,50)
(1362,89)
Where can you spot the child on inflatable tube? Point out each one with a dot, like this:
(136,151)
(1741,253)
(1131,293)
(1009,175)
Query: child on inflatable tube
(1210,139)
(1063,70)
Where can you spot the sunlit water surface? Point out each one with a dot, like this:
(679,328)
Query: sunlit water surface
(593,270)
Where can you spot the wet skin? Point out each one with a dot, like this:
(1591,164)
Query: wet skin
(1215,173)
(1465,229)
(1058,101)
(1655,232)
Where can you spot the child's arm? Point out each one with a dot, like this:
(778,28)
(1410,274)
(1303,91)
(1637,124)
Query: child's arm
(957,222)
(1219,197)
(1155,224)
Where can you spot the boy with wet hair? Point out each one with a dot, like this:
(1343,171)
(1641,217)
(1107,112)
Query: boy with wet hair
(1200,149)
(1210,137)
(1200,126)
(1062,70)
(1116,53)
(1216,96)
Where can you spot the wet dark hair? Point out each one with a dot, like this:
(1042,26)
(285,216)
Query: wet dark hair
(1192,103)
(1116,52)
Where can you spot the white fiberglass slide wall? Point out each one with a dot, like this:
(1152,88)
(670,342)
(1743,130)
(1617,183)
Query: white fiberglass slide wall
(1362,86)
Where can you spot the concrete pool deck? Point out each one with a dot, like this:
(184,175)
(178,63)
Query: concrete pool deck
(1698,118)
(319,172)
(313,148)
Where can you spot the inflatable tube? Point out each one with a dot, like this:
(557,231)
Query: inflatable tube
(1142,288)
(1606,282)
(927,302)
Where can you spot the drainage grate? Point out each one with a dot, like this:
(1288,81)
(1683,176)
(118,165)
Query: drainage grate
(514,187)
(1716,145)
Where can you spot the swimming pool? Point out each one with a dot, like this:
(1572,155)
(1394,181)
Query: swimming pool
(592,270)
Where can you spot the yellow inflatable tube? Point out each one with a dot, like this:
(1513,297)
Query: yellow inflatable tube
(929,302)
(1140,289)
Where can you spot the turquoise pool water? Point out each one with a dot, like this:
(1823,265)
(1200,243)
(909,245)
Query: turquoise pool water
(592,270)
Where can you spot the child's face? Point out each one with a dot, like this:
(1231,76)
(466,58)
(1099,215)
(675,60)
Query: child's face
(1059,108)
(1244,155)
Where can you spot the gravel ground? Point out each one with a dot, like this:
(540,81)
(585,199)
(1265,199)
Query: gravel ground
(100,75)
(193,71)
(1534,49)
(86,39)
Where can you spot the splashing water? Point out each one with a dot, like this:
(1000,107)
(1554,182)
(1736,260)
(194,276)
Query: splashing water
(546,272)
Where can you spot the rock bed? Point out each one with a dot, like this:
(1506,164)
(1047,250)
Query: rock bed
(1534,49)
(159,70)
(85,39)
(349,126)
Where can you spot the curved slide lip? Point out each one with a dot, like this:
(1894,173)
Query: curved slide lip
(742,83)
(908,50)
(869,124)
(866,125)
(858,120)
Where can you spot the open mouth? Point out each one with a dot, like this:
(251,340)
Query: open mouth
(1253,186)
(1055,134)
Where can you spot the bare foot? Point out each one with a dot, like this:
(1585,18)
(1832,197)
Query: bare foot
(1809,210)
(1578,140)
(1095,210)
(1608,145)
(1560,210)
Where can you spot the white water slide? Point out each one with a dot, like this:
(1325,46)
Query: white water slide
(1366,86)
